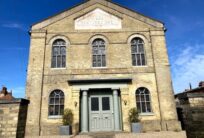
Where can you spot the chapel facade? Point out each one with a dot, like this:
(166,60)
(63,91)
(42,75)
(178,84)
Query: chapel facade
(100,60)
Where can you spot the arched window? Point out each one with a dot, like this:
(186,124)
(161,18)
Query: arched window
(138,52)
(56,103)
(143,100)
(59,54)
(99,53)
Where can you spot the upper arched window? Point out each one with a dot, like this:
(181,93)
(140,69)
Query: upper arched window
(56,103)
(138,52)
(59,54)
(99,53)
(143,100)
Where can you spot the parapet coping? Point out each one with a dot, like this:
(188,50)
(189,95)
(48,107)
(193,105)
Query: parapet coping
(14,101)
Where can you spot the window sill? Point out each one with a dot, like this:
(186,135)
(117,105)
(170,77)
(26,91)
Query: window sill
(55,117)
(140,66)
(146,114)
(58,68)
(99,67)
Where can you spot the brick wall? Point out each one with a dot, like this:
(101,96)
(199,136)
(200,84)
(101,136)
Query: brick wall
(13,118)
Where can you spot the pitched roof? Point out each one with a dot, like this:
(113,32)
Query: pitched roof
(5,95)
(89,3)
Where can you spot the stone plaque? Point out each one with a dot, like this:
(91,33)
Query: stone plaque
(98,19)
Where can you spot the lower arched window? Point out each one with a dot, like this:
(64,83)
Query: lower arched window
(56,103)
(143,100)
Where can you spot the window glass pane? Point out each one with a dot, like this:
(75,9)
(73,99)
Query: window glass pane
(137,98)
(53,61)
(103,61)
(140,47)
(94,60)
(138,107)
(142,97)
(143,107)
(63,61)
(148,107)
(51,110)
(51,101)
(134,49)
(58,61)
(94,64)
(143,59)
(52,94)
(147,98)
(140,40)
(56,51)
(133,59)
(138,59)
(59,42)
(62,101)
(61,94)
(99,60)
(56,112)
(105,103)
(63,50)
(61,109)
(134,42)
(57,101)
(102,50)
(94,104)
(95,50)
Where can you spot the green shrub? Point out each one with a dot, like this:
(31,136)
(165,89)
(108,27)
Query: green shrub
(133,115)
(67,117)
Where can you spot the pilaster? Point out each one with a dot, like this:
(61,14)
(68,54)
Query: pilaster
(75,107)
(34,82)
(125,103)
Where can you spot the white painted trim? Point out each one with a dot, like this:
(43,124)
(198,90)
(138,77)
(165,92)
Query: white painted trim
(58,68)
(147,114)
(55,117)
(100,86)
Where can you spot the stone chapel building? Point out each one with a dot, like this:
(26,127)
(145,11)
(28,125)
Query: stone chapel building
(99,59)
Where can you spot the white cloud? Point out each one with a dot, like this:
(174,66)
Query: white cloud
(19,92)
(13,26)
(188,67)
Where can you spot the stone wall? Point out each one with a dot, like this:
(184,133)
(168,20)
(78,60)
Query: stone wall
(190,110)
(13,118)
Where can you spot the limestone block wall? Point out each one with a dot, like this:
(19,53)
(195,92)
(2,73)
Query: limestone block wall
(164,82)
(13,118)
(191,114)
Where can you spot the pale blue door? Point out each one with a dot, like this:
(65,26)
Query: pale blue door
(100,113)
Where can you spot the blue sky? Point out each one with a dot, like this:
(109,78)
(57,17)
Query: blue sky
(184,20)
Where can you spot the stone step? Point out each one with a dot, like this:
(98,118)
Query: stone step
(162,134)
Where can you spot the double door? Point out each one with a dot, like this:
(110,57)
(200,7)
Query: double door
(101,112)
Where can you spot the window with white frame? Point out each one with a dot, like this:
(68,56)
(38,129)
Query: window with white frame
(143,100)
(56,103)
(138,52)
(99,53)
(59,54)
